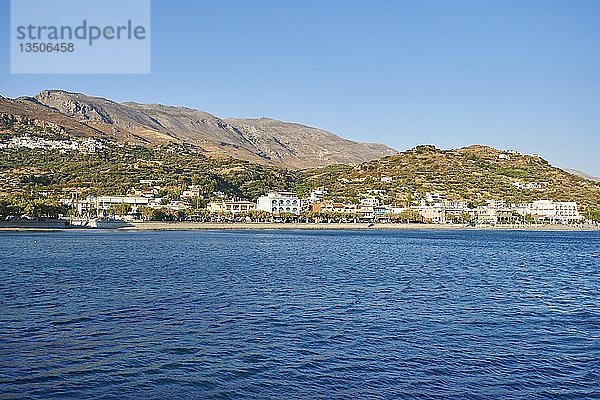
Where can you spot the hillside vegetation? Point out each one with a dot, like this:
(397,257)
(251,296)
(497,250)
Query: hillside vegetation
(475,173)
(114,169)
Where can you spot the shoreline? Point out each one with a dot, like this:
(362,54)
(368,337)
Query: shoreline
(191,226)
(152,226)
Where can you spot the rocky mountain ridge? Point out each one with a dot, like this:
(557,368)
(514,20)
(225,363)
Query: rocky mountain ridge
(263,140)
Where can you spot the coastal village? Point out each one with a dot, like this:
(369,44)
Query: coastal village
(277,206)
(148,200)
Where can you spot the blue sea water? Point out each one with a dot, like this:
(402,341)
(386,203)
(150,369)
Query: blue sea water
(300,315)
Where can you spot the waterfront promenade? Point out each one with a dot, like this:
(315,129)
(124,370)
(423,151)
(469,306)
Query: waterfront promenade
(189,225)
(342,226)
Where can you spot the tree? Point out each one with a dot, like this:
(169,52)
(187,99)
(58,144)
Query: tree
(353,216)
(147,213)
(119,209)
(287,216)
(10,206)
(316,216)
(163,214)
(465,217)
(258,215)
(197,214)
(594,215)
(45,209)
(406,216)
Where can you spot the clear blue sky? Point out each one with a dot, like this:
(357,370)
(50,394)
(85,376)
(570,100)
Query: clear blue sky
(512,74)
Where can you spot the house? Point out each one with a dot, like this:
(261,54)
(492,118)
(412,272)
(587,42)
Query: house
(141,192)
(527,185)
(433,197)
(370,202)
(562,212)
(380,211)
(434,214)
(370,207)
(170,205)
(317,195)
(103,203)
(231,206)
(496,204)
(193,191)
(487,215)
(279,202)
(328,206)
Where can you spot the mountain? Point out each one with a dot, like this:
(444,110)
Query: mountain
(291,141)
(28,110)
(268,141)
(475,174)
(582,174)
(142,142)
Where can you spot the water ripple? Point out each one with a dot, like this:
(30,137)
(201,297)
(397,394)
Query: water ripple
(296,315)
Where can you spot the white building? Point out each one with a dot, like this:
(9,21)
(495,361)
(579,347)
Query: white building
(433,198)
(279,202)
(527,185)
(397,210)
(170,205)
(563,212)
(317,195)
(103,203)
(496,204)
(370,207)
(370,202)
(193,191)
(557,212)
(455,205)
(487,215)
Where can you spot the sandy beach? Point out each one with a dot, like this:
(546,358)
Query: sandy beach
(344,226)
(187,225)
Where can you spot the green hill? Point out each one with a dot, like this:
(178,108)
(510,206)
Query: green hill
(475,174)
(53,169)
(113,169)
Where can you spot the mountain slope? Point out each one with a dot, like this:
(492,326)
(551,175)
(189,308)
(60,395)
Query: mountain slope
(290,141)
(27,173)
(27,111)
(475,174)
(263,140)
(582,174)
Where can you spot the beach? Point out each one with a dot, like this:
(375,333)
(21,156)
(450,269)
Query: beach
(190,226)
(185,225)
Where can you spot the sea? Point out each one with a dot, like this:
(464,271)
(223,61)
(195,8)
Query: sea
(286,314)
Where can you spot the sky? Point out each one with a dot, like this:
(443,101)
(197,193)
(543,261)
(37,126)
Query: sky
(512,74)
